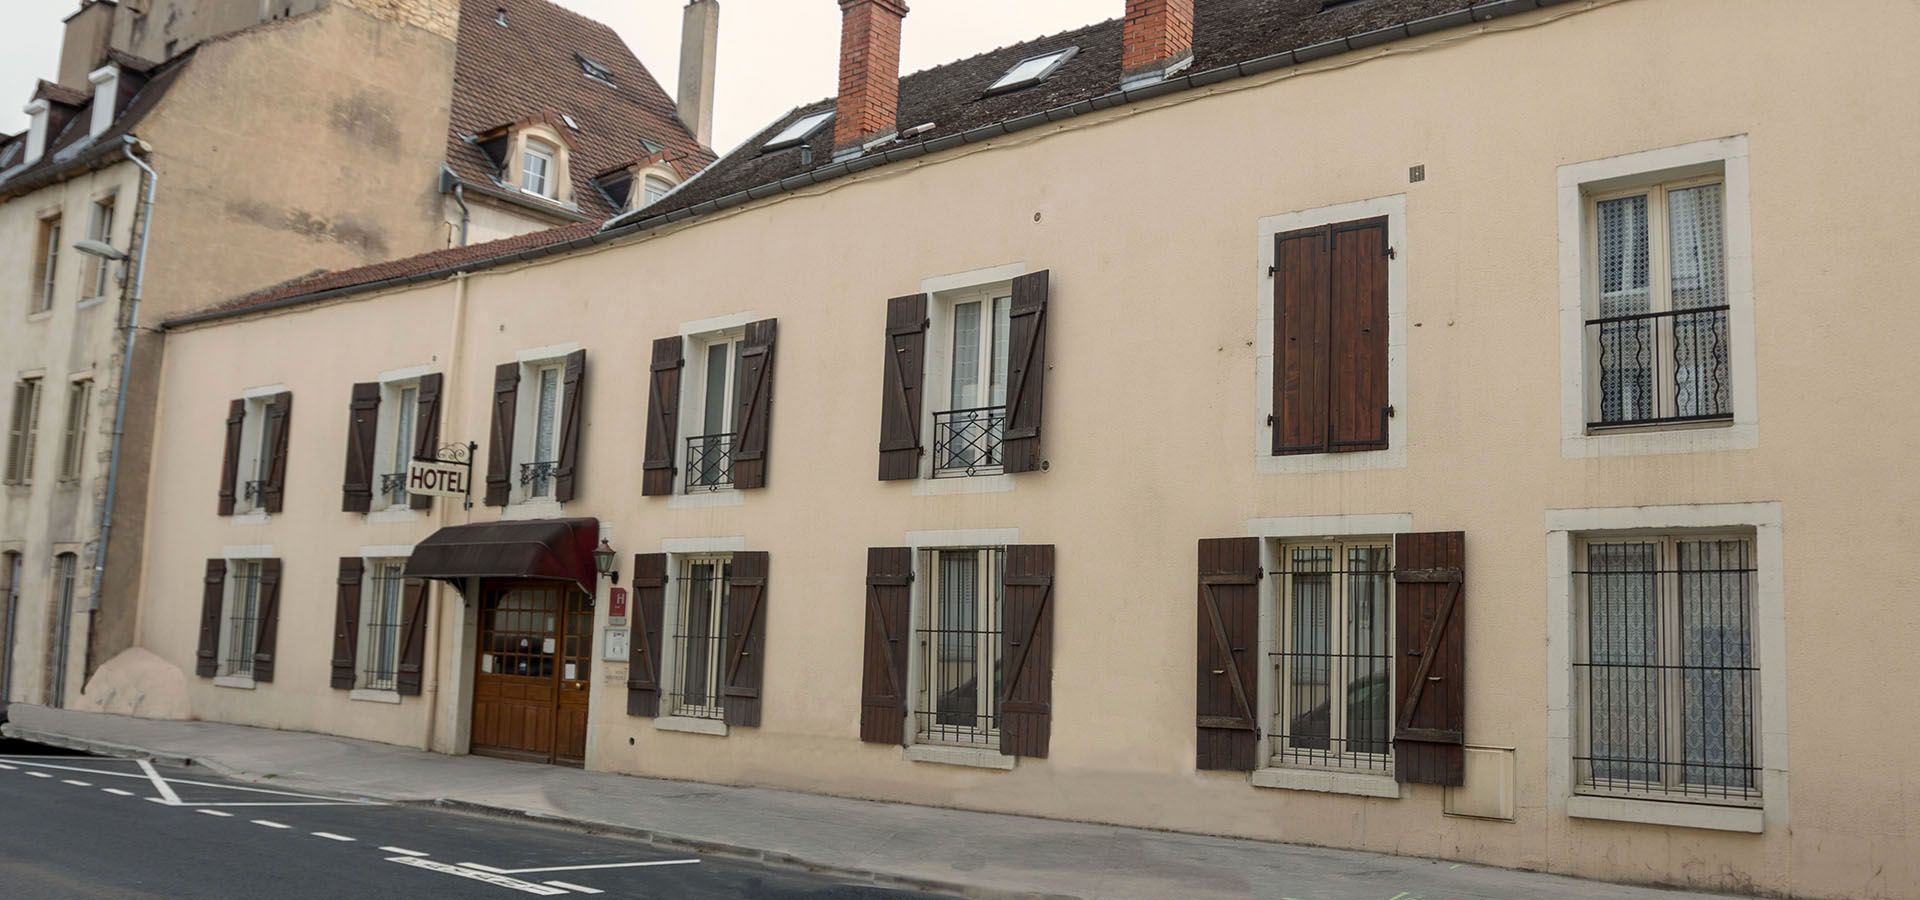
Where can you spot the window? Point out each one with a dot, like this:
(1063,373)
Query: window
(10,566)
(66,571)
(1333,657)
(1664,672)
(46,263)
(700,638)
(966,437)
(400,410)
(536,169)
(381,624)
(254,471)
(653,189)
(1330,378)
(1032,71)
(23,431)
(710,452)
(797,133)
(241,618)
(73,441)
(100,228)
(595,70)
(958,648)
(536,476)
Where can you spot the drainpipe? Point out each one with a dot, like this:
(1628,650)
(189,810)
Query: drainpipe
(450,182)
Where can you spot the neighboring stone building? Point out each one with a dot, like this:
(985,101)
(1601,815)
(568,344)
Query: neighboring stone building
(287,139)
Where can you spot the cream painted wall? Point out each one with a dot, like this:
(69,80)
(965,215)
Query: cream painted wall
(1152,403)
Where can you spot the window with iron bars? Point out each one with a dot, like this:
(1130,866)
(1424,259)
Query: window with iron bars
(710,451)
(242,614)
(959,661)
(700,638)
(380,636)
(1665,673)
(1333,662)
(967,436)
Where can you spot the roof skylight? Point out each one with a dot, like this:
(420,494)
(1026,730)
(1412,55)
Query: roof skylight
(595,70)
(799,131)
(1032,70)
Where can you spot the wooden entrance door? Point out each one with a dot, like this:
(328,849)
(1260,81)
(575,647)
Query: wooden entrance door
(533,680)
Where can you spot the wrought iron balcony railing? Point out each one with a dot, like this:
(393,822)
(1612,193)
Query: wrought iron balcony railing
(709,462)
(254,490)
(967,441)
(537,477)
(1661,367)
(393,486)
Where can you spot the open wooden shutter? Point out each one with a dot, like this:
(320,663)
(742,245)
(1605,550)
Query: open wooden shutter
(746,638)
(506,405)
(268,624)
(883,681)
(1026,693)
(901,398)
(1300,341)
(566,477)
(1357,327)
(663,417)
(426,431)
(1228,692)
(643,641)
(363,426)
(230,460)
(213,592)
(754,414)
(413,638)
(1429,740)
(1026,373)
(279,425)
(346,622)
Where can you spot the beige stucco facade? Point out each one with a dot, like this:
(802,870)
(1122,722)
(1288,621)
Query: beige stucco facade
(1155,222)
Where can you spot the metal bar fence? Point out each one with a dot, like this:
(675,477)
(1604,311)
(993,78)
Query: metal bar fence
(960,649)
(1334,665)
(1662,367)
(967,441)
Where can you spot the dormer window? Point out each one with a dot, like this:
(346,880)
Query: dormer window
(1032,71)
(537,168)
(655,188)
(595,70)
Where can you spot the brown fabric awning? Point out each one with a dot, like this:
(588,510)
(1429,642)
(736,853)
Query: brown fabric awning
(557,549)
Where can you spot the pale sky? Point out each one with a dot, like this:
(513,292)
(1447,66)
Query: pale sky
(774,54)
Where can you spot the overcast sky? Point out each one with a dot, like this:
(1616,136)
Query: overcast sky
(774,54)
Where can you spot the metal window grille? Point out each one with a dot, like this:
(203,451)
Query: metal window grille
(959,648)
(243,611)
(709,462)
(967,441)
(700,638)
(73,441)
(1664,669)
(536,478)
(1334,665)
(380,646)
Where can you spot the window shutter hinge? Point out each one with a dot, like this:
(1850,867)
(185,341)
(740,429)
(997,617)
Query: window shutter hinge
(1272,271)
(1389,411)
(1391,253)
(1269,420)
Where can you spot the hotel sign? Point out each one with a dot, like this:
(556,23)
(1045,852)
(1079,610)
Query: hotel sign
(450,474)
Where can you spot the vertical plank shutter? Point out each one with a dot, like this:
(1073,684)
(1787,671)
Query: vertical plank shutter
(663,417)
(883,681)
(426,431)
(746,638)
(415,611)
(1357,327)
(1026,693)
(1026,373)
(206,662)
(279,425)
(230,460)
(901,397)
(1300,341)
(363,425)
(346,622)
(1229,644)
(754,397)
(506,403)
(643,644)
(268,624)
(566,479)
(1429,739)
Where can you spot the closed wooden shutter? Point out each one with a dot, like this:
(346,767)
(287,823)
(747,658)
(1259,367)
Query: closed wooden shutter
(663,417)
(1429,740)
(346,622)
(426,431)
(1026,699)
(746,638)
(213,593)
(1300,342)
(279,429)
(415,611)
(506,405)
(883,680)
(643,641)
(1228,692)
(1330,338)
(266,635)
(230,458)
(1026,373)
(566,479)
(363,427)
(902,397)
(754,415)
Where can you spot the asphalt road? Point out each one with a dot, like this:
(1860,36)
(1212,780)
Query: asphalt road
(87,827)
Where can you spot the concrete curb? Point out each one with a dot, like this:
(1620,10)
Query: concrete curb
(96,747)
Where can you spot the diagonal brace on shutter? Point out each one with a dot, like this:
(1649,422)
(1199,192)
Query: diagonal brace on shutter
(741,649)
(1026,647)
(880,620)
(1248,720)
(1453,578)
(900,384)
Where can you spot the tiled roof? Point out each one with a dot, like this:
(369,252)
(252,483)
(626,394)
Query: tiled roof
(72,150)
(530,68)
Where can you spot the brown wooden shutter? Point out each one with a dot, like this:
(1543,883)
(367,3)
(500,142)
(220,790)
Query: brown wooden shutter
(1026,692)
(213,593)
(663,417)
(643,640)
(346,622)
(506,405)
(1300,341)
(883,682)
(1228,692)
(279,428)
(230,461)
(415,611)
(566,478)
(266,635)
(746,638)
(1357,370)
(426,431)
(1026,373)
(902,396)
(1429,740)
(754,414)
(363,426)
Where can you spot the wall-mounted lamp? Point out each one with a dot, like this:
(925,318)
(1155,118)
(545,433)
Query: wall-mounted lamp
(605,560)
(101,249)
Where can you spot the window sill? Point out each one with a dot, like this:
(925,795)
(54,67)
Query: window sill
(393,514)
(1394,457)
(691,725)
(40,316)
(1328,781)
(1649,440)
(971,484)
(91,302)
(707,499)
(374,696)
(536,508)
(237,682)
(971,757)
(1750,820)
(255,517)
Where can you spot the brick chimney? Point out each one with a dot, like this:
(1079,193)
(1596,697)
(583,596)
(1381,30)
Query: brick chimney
(869,71)
(1158,39)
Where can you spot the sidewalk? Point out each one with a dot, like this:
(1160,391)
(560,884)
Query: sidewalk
(978,854)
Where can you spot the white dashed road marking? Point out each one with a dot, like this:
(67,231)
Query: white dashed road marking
(39,774)
(331,836)
(74,783)
(574,887)
(631,865)
(267,824)
(8,767)
(118,792)
(403,851)
(214,812)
